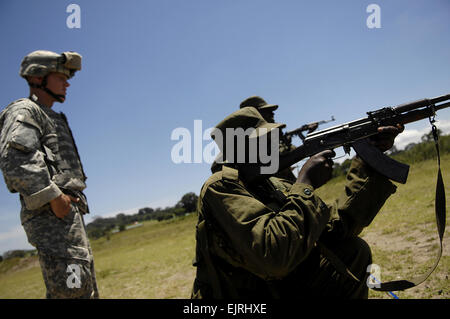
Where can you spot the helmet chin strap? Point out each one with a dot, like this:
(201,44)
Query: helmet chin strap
(58,97)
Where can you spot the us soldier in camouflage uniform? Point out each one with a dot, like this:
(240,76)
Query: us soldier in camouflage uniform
(266,237)
(40,161)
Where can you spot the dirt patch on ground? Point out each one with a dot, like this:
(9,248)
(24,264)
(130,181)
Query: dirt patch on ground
(424,246)
(405,257)
(25,263)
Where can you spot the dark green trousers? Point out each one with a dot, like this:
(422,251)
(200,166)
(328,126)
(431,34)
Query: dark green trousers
(315,277)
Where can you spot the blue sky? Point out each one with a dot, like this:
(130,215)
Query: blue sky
(152,66)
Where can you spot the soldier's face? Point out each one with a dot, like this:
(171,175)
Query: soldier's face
(57,83)
(268,115)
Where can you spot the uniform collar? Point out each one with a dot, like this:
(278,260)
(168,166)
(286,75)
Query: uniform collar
(46,109)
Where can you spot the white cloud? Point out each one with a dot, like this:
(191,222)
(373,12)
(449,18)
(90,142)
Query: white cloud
(414,136)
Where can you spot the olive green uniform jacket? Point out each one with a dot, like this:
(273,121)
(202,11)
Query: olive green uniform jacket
(250,238)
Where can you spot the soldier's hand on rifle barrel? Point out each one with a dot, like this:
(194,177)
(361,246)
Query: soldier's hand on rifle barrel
(317,170)
(61,205)
(384,140)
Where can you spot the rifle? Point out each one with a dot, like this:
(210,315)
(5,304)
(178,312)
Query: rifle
(310,127)
(355,133)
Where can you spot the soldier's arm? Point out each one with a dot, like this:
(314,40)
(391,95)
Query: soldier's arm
(22,160)
(365,191)
(267,243)
(364,194)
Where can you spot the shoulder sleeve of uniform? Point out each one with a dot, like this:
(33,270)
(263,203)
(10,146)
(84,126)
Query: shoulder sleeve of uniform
(230,173)
(25,133)
(27,112)
(27,118)
(212,179)
(227,173)
(22,127)
(21,157)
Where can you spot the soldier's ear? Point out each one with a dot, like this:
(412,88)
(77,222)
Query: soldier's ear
(34,79)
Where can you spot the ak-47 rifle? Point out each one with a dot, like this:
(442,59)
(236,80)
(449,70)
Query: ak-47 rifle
(354,134)
(310,127)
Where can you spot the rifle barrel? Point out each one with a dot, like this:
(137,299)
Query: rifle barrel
(421,114)
(442,106)
(420,103)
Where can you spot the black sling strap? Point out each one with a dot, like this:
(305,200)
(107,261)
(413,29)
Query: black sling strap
(440,211)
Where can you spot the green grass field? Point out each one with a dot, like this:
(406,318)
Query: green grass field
(155,260)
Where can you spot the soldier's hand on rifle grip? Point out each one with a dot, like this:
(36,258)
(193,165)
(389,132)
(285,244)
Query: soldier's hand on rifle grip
(317,170)
(61,205)
(384,140)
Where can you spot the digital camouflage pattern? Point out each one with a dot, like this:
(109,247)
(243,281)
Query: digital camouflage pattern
(60,284)
(60,243)
(41,62)
(38,154)
(39,160)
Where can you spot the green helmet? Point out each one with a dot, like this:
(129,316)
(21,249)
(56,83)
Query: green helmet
(40,63)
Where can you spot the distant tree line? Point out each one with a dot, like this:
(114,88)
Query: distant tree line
(413,152)
(17,253)
(101,226)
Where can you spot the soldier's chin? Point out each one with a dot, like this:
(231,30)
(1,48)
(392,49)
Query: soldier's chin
(61,98)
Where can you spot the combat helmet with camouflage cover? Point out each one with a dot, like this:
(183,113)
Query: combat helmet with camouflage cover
(41,63)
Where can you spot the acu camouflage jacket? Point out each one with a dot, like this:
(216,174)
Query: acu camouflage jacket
(38,155)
